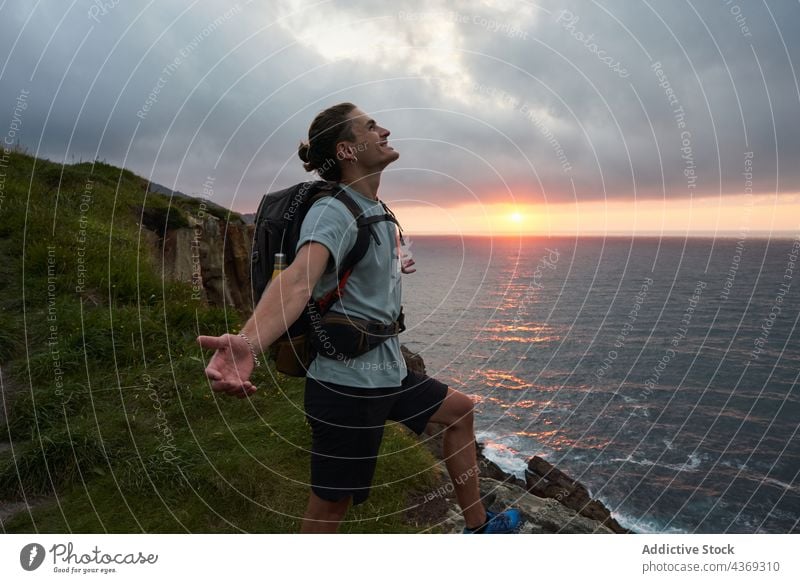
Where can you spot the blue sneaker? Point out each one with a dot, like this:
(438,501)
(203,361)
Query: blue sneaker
(506,522)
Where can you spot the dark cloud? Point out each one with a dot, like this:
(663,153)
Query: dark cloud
(501,99)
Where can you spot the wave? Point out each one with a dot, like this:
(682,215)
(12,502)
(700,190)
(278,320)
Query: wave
(644,526)
(507,458)
(746,473)
(690,465)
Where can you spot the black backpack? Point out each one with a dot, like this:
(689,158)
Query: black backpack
(277,230)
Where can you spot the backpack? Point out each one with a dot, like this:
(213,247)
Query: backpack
(277,230)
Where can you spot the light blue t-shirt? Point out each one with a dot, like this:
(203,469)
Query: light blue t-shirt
(373,290)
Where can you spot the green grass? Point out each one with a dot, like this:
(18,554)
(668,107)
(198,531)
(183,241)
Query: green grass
(109,412)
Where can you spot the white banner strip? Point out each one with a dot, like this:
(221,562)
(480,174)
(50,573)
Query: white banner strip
(387,558)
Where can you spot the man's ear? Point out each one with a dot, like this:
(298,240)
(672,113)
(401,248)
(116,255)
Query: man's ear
(344,151)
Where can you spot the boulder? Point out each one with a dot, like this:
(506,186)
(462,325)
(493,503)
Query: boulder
(543,479)
(540,515)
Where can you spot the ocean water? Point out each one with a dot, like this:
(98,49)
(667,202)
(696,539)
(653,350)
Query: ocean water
(661,373)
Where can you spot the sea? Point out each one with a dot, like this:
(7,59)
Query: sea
(660,372)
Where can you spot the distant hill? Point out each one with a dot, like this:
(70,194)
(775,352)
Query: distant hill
(161,189)
(212,207)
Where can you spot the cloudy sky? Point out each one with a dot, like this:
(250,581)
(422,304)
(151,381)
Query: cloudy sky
(540,117)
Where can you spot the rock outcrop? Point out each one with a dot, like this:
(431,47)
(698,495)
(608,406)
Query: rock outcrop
(551,502)
(543,479)
(540,515)
(209,253)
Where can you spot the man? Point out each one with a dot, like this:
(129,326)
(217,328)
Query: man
(347,402)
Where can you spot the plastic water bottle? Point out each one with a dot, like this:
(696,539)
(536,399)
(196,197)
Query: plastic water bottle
(280,265)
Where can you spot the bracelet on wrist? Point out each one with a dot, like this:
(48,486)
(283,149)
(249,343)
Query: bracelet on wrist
(252,349)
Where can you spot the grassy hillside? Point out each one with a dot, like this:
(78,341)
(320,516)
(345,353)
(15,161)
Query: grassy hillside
(108,411)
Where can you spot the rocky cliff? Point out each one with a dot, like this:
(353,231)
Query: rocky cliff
(568,509)
(205,246)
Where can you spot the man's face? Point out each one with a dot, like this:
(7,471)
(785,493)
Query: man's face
(370,147)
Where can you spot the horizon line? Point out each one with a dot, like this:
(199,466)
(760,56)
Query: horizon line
(761,235)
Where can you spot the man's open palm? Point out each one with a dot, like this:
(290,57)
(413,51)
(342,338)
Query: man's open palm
(230,367)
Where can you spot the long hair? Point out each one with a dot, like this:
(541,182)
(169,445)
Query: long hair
(328,128)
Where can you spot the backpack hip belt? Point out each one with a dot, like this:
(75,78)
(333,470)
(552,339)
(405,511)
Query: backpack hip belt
(339,336)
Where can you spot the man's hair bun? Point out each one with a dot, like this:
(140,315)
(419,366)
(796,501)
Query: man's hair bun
(304,152)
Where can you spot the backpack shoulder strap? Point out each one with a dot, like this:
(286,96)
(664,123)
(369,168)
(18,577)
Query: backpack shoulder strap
(361,245)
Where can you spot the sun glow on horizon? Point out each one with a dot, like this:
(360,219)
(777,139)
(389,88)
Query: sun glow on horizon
(700,216)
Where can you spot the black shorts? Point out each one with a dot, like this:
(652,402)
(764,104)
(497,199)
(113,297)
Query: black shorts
(347,429)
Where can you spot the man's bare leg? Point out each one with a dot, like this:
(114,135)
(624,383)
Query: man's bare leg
(323,516)
(456,413)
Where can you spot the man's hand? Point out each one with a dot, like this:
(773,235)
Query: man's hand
(407,266)
(230,367)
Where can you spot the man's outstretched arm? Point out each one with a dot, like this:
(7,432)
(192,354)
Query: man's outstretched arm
(231,365)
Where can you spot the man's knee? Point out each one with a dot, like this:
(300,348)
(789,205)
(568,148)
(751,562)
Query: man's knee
(460,410)
(466,411)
